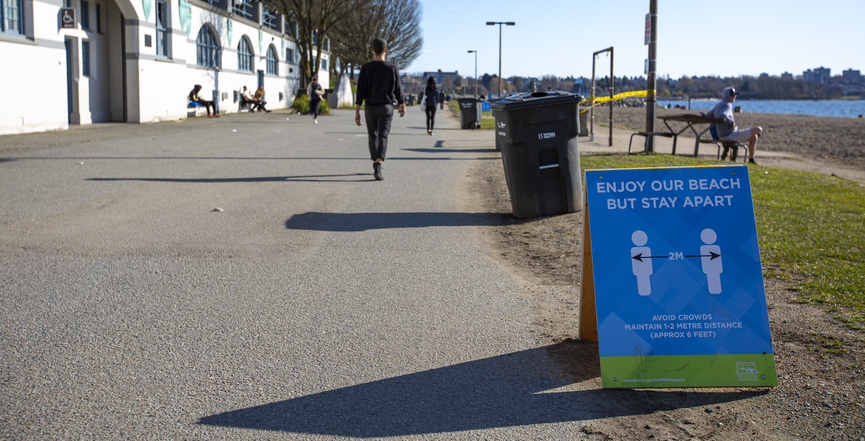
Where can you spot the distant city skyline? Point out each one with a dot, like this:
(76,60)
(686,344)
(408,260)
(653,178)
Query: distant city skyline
(727,39)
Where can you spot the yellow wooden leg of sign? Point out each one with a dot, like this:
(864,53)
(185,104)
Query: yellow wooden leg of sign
(588,314)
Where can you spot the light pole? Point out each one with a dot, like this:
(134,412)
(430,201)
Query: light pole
(651,79)
(612,83)
(500,23)
(476,71)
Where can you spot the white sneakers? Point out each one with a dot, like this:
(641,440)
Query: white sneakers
(316,120)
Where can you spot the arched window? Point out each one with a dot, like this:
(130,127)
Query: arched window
(272,61)
(244,55)
(208,48)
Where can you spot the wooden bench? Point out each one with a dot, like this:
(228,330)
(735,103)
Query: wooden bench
(648,136)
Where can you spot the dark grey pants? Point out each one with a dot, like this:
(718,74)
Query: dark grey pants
(378,119)
(430,117)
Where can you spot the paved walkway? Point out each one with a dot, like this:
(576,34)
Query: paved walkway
(247,278)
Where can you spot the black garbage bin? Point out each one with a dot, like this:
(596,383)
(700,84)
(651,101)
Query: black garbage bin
(470,113)
(537,133)
(499,139)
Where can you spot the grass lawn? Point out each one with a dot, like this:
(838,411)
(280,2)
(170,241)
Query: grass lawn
(455,106)
(811,229)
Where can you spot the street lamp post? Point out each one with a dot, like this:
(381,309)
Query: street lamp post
(500,23)
(476,71)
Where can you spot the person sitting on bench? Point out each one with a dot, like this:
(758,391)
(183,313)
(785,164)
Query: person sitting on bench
(247,99)
(728,131)
(194,98)
(259,99)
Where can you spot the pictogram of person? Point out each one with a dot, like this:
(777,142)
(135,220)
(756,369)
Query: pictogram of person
(641,263)
(710,256)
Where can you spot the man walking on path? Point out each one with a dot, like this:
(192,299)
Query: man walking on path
(379,85)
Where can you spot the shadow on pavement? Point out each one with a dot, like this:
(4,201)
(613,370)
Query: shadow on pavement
(229,158)
(316,221)
(436,129)
(503,391)
(307,178)
(442,150)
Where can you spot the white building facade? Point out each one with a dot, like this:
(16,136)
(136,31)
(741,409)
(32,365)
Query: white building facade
(86,61)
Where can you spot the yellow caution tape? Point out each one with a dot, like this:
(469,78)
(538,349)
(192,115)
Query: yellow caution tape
(606,99)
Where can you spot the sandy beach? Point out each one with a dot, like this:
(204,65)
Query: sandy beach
(839,140)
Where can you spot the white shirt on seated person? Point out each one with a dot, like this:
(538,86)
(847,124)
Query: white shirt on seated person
(245,93)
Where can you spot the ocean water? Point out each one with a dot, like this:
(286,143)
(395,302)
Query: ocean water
(844,109)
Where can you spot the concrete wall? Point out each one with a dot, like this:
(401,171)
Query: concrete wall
(34,74)
(34,92)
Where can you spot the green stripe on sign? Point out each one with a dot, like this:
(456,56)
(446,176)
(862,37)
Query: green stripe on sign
(740,370)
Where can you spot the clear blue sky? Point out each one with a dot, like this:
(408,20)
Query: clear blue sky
(697,37)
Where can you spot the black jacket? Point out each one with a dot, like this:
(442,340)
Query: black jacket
(379,83)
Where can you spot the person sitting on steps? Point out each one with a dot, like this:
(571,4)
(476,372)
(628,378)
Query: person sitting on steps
(208,105)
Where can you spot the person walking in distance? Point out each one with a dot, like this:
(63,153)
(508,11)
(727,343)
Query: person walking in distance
(314,92)
(431,93)
(442,97)
(379,85)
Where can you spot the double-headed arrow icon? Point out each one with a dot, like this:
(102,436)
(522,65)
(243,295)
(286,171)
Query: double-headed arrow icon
(712,254)
(640,256)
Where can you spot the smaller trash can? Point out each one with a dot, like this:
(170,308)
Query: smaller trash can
(537,134)
(470,113)
(584,121)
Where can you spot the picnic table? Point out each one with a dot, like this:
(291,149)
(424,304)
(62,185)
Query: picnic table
(692,122)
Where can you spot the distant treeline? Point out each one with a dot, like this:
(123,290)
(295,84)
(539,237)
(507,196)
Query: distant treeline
(763,88)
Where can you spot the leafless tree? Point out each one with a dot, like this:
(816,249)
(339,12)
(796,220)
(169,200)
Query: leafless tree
(447,84)
(507,88)
(550,81)
(518,84)
(315,20)
(396,21)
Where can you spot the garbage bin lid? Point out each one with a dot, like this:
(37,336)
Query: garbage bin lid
(469,98)
(536,99)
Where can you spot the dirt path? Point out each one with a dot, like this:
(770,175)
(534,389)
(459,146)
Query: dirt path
(821,390)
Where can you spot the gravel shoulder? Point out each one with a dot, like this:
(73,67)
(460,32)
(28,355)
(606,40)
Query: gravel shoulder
(820,363)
